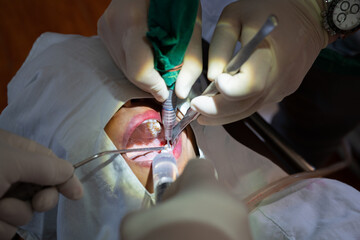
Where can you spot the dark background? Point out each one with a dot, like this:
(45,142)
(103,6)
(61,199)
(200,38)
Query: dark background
(23,21)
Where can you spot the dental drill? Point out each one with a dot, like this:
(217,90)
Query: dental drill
(169,116)
(164,172)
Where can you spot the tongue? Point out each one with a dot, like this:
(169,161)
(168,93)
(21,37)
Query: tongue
(142,137)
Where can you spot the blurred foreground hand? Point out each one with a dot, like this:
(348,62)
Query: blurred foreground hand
(195,206)
(25,161)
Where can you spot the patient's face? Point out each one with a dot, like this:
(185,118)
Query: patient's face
(137,125)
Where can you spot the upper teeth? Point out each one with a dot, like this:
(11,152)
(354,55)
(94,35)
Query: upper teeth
(153,126)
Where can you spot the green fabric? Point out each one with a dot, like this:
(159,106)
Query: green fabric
(333,62)
(171,23)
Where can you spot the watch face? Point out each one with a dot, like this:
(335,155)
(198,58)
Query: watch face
(346,14)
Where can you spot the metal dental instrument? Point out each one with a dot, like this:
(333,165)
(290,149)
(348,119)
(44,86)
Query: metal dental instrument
(120,151)
(25,191)
(232,68)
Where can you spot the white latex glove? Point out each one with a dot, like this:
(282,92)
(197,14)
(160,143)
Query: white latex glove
(23,160)
(274,70)
(196,206)
(123,28)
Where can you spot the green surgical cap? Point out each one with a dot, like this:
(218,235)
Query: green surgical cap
(171,23)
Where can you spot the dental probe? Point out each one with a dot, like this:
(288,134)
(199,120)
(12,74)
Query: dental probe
(232,68)
(25,191)
(119,151)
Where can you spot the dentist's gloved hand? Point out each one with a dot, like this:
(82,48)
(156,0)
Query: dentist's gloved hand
(123,29)
(23,160)
(274,70)
(195,206)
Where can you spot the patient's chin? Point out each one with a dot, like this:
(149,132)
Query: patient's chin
(142,172)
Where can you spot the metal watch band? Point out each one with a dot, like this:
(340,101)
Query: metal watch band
(324,15)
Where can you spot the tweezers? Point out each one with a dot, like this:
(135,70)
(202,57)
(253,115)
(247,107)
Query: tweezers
(232,68)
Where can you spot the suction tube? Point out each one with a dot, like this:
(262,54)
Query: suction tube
(164,172)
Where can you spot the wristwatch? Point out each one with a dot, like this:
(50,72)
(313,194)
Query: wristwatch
(341,17)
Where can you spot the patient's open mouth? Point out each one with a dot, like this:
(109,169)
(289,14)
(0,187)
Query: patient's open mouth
(147,134)
(146,130)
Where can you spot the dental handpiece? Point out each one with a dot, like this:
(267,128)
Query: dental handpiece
(164,172)
(169,116)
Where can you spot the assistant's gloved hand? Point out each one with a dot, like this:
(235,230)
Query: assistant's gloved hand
(195,206)
(274,70)
(23,160)
(123,29)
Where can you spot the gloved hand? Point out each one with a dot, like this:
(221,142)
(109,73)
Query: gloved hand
(123,28)
(274,70)
(195,206)
(23,160)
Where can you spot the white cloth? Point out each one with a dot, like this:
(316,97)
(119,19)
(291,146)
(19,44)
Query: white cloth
(311,209)
(64,95)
